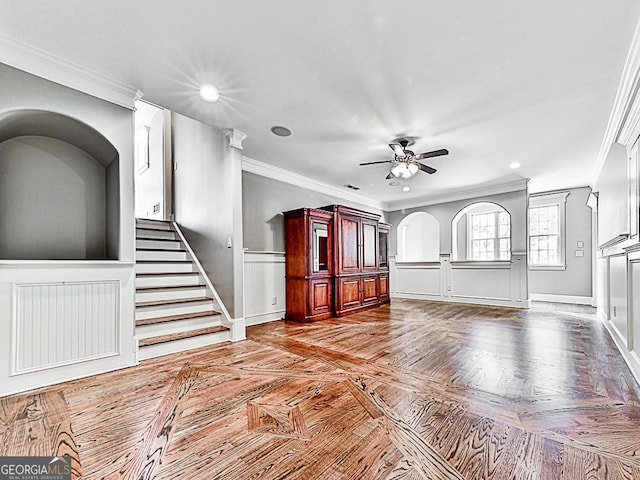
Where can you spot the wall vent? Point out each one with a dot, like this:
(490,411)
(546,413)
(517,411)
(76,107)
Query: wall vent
(352,186)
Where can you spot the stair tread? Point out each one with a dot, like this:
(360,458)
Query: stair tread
(170,287)
(164,261)
(172,302)
(145,342)
(158,239)
(173,318)
(166,274)
(153,228)
(144,249)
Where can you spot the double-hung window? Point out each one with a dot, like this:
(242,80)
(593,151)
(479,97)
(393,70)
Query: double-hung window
(490,236)
(546,231)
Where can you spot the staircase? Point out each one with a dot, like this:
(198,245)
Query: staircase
(175,311)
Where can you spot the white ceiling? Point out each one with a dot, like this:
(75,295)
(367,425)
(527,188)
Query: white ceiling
(495,81)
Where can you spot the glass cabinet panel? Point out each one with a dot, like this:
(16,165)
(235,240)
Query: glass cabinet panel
(320,247)
(383,249)
(369,245)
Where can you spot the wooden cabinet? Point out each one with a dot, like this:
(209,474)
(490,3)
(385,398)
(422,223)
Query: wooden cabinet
(309,264)
(336,262)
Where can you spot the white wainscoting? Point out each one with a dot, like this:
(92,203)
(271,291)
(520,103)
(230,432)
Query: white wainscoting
(487,283)
(64,320)
(619,287)
(264,287)
(62,323)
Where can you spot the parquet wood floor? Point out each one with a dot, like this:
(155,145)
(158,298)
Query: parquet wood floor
(412,390)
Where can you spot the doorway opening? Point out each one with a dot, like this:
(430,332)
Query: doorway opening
(152,162)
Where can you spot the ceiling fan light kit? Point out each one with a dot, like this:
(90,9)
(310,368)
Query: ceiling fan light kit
(405,162)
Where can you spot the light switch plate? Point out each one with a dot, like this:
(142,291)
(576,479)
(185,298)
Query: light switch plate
(580,244)
(579,253)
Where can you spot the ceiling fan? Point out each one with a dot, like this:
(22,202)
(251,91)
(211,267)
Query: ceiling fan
(405,163)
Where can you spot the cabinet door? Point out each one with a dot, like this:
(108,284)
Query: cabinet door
(383,287)
(369,289)
(349,261)
(369,245)
(349,292)
(320,296)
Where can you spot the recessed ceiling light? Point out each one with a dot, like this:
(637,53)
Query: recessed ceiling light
(514,165)
(209,93)
(406,188)
(280,131)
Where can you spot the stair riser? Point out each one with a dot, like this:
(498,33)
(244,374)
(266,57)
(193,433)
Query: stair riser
(165,267)
(151,234)
(182,345)
(168,281)
(169,310)
(153,225)
(173,245)
(177,326)
(161,256)
(156,296)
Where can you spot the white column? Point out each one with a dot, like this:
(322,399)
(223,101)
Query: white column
(234,153)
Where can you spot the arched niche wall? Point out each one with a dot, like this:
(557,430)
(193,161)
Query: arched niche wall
(59,189)
(494,221)
(418,237)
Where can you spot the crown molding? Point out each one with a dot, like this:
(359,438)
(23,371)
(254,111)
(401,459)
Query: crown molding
(46,65)
(276,173)
(625,113)
(460,194)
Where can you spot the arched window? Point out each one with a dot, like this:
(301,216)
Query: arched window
(419,238)
(481,232)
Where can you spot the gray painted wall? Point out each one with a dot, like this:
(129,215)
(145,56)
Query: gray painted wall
(203,197)
(514,202)
(576,279)
(613,188)
(23,91)
(52,197)
(263,202)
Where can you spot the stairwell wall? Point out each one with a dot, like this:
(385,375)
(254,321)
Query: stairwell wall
(203,201)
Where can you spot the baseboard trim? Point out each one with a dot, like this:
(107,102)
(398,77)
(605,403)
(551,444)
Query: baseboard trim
(631,358)
(470,300)
(267,317)
(573,299)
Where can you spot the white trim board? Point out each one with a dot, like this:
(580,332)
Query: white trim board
(630,358)
(478,191)
(276,173)
(573,299)
(259,318)
(46,65)
(462,299)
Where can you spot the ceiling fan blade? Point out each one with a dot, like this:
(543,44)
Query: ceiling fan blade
(389,176)
(374,163)
(435,153)
(397,149)
(426,168)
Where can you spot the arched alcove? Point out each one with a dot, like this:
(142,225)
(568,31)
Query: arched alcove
(481,231)
(59,189)
(418,237)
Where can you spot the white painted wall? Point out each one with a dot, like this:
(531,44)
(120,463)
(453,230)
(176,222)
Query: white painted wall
(149,182)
